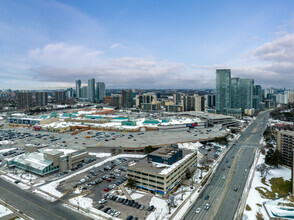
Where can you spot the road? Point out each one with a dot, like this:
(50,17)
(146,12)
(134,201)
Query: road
(228,182)
(35,206)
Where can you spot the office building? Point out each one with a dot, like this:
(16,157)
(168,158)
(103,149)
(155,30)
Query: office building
(163,169)
(49,160)
(257,96)
(100,91)
(78,88)
(127,98)
(24,99)
(91,90)
(41,98)
(223,90)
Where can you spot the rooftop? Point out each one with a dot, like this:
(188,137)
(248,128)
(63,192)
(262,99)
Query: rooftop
(157,168)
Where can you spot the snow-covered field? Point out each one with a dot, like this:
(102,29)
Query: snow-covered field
(255,200)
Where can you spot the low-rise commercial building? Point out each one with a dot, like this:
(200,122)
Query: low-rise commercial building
(48,160)
(162,169)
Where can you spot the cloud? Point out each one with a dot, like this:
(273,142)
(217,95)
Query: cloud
(115,45)
(62,54)
(55,65)
(280,50)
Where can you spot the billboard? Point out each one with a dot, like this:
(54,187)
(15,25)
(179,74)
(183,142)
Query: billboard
(192,125)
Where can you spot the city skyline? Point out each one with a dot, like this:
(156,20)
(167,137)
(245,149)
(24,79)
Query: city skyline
(144,44)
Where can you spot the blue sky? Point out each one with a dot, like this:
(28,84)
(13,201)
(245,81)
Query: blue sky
(144,44)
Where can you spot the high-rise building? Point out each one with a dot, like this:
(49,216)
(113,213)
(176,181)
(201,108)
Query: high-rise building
(235,93)
(285,144)
(78,88)
(223,90)
(84,92)
(91,90)
(177,97)
(246,93)
(145,98)
(127,98)
(198,103)
(189,103)
(282,98)
(69,93)
(24,100)
(257,96)
(210,100)
(59,96)
(41,98)
(100,91)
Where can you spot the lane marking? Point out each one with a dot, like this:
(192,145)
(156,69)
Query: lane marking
(51,213)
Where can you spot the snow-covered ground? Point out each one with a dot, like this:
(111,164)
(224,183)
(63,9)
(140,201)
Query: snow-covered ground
(4,211)
(161,208)
(20,185)
(6,150)
(99,155)
(255,200)
(87,203)
(190,146)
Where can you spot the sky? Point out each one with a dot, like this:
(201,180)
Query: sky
(166,44)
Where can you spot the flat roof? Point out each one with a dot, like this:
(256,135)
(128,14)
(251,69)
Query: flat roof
(157,168)
(167,151)
(287,132)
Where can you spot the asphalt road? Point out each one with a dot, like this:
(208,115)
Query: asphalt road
(226,186)
(35,206)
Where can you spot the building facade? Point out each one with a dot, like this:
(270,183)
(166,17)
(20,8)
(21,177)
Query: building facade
(257,96)
(91,90)
(223,90)
(78,88)
(235,93)
(127,98)
(41,98)
(285,144)
(150,174)
(246,93)
(100,91)
(24,100)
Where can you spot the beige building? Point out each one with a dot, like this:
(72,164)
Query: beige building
(285,143)
(162,169)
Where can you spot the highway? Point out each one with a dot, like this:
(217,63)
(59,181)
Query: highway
(35,206)
(227,184)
